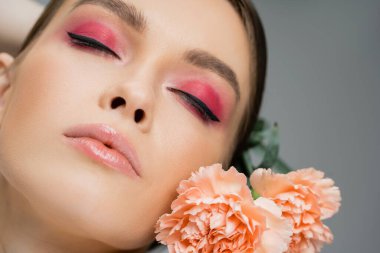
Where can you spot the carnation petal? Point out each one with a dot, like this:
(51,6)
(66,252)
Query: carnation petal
(278,234)
(267,184)
(329,196)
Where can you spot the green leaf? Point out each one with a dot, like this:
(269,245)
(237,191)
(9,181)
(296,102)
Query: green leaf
(281,167)
(263,148)
(271,148)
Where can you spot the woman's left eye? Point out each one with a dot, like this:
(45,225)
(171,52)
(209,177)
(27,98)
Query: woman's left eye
(84,41)
(197,104)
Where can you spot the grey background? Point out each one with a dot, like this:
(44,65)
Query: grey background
(43,1)
(323,88)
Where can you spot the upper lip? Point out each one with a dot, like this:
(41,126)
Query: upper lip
(109,137)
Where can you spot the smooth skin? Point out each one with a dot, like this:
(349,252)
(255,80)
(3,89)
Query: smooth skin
(54,198)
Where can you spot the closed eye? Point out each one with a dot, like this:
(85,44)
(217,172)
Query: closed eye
(85,41)
(197,104)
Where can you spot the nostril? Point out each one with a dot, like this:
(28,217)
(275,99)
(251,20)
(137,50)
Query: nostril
(139,115)
(118,101)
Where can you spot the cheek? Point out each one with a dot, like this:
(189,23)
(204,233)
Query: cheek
(188,141)
(182,143)
(33,111)
(33,105)
(41,88)
(51,84)
(43,99)
(179,144)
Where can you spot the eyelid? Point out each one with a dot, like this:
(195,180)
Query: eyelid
(91,42)
(200,105)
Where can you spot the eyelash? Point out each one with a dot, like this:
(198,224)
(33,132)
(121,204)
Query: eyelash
(201,107)
(85,41)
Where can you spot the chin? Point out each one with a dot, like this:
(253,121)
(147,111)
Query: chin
(125,233)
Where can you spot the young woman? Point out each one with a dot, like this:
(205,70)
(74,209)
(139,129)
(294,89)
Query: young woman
(109,105)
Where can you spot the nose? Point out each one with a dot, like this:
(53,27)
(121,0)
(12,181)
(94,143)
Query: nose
(132,101)
(118,102)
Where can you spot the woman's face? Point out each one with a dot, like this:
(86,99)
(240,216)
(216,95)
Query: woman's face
(96,70)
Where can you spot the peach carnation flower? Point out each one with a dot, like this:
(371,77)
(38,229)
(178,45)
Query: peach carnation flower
(215,212)
(306,198)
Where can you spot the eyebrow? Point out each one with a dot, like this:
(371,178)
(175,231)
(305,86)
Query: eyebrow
(207,61)
(125,11)
(197,57)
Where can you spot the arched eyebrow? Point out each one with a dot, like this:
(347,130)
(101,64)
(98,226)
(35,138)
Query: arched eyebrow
(205,60)
(123,10)
(197,57)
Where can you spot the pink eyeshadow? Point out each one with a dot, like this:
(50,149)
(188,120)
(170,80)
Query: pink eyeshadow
(206,94)
(98,32)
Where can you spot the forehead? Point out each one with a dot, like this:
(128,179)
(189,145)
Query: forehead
(210,25)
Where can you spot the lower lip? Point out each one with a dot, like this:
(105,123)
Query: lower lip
(100,153)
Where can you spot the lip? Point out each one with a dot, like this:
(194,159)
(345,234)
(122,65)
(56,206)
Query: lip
(104,144)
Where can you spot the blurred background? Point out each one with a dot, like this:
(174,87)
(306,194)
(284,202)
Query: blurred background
(323,89)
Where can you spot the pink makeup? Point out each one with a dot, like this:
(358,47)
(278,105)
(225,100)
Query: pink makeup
(206,94)
(97,31)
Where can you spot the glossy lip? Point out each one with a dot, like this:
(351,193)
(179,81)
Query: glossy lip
(104,144)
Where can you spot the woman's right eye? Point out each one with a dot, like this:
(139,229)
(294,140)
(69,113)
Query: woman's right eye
(84,41)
